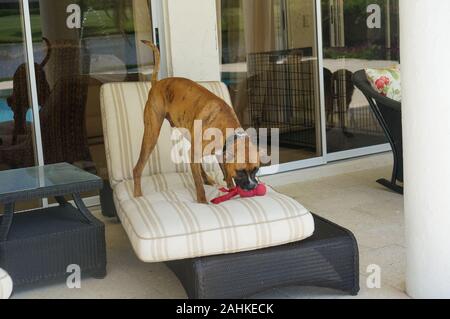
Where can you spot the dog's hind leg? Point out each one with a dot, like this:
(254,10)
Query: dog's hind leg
(198,180)
(153,121)
(196,168)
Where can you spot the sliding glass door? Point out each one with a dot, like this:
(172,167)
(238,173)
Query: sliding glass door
(77,46)
(17,131)
(87,43)
(270,63)
(357,34)
(289,65)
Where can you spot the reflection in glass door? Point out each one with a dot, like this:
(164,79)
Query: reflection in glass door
(269,62)
(17,132)
(86,44)
(357,34)
(269,53)
(16,116)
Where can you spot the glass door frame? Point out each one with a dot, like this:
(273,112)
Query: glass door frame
(326,157)
(317,160)
(159,33)
(343,155)
(32,85)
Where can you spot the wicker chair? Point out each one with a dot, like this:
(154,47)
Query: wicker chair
(329,97)
(343,88)
(389,115)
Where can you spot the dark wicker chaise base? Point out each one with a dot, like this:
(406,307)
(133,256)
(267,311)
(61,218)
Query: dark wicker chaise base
(329,259)
(43,243)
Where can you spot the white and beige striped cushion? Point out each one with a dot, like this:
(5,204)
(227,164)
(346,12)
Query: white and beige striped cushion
(167,223)
(6,285)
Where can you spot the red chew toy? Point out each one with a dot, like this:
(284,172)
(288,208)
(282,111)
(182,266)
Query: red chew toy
(260,190)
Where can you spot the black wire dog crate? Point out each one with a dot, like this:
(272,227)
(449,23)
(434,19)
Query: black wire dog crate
(282,95)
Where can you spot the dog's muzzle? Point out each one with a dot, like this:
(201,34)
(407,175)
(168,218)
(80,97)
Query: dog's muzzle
(246,183)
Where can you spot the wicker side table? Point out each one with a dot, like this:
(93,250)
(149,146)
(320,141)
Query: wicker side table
(39,245)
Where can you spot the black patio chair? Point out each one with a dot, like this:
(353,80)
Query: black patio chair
(389,115)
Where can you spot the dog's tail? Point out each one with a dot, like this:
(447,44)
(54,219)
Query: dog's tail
(49,52)
(157,60)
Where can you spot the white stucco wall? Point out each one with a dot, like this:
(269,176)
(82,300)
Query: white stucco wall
(192,40)
(425,44)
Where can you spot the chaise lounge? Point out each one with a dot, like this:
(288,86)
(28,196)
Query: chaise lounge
(232,250)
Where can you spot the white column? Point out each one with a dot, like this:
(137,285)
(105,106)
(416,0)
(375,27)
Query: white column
(425,47)
(192,39)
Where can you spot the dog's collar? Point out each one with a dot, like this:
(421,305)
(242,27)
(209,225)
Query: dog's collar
(238,134)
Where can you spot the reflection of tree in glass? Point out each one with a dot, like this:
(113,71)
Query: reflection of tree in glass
(360,41)
(106,18)
(99,18)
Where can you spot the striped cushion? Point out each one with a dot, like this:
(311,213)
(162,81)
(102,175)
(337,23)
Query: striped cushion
(6,285)
(168,224)
(160,182)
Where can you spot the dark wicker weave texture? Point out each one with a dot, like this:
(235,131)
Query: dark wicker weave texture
(329,258)
(42,244)
(39,245)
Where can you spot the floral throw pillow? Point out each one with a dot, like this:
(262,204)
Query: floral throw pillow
(386,81)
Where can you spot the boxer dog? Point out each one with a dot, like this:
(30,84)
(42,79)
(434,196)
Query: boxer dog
(183,102)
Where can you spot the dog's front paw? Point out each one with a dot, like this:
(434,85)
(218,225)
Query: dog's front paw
(202,201)
(137,193)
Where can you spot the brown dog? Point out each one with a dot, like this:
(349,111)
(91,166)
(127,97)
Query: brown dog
(182,102)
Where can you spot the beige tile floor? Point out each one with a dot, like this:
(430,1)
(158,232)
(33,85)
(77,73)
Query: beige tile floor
(351,198)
